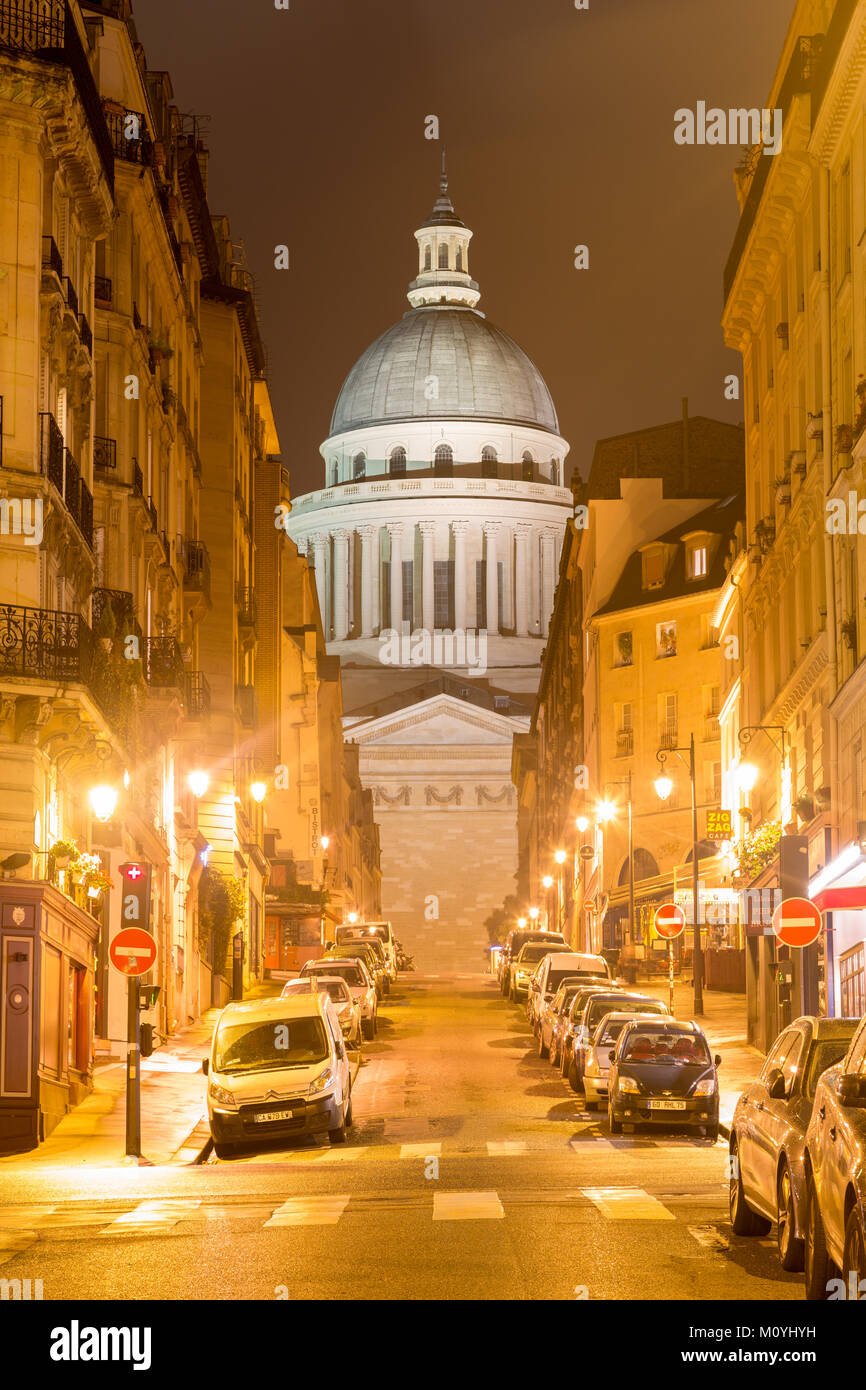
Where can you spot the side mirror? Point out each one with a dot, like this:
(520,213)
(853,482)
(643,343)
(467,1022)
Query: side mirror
(205,1066)
(776,1084)
(717,1061)
(851,1090)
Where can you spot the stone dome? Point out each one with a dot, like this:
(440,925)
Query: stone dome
(481,374)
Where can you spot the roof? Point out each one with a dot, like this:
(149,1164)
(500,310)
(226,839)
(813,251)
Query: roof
(719,519)
(302,1005)
(481,373)
(694,456)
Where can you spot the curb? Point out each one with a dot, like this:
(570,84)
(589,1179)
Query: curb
(196,1147)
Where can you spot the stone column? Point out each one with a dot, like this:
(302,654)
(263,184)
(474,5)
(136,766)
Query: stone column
(548,579)
(428,615)
(367,534)
(522,579)
(319,543)
(341,585)
(460,528)
(377,579)
(491,529)
(395,530)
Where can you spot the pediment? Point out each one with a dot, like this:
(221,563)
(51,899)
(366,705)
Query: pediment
(440,721)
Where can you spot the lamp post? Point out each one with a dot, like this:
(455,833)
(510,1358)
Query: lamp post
(608,811)
(664,786)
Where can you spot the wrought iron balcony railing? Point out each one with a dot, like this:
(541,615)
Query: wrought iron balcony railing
(44,644)
(246,605)
(196,570)
(196,695)
(104,454)
(102,289)
(668,736)
(70,296)
(163,663)
(85,334)
(122,606)
(711,728)
(624,743)
(51,450)
(137,480)
(51,259)
(129,137)
(72,486)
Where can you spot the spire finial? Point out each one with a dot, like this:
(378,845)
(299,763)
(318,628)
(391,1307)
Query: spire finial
(443,182)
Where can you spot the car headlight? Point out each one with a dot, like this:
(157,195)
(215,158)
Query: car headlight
(705,1088)
(628,1086)
(325,1079)
(220,1094)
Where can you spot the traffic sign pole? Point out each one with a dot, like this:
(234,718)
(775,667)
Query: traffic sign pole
(133,1070)
(133,953)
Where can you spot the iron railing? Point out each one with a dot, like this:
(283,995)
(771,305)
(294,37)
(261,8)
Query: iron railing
(196,695)
(28,27)
(85,520)
(70,296)
(624,743)
(51,258)
(163,663)
(196,566)
(44,644)
(246,605)
(72,486)
(51,450)
(711,728)
(104,453)
(122,606)
(137,480)
(136,150)
(85,333)
(102,289)
(668,736)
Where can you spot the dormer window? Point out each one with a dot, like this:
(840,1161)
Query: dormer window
(697,559)
(653,568)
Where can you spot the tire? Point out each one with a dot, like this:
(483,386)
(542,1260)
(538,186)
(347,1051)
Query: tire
(223,1150)
(348,1119)
(791,1247)
(712,1132)
(590,1104)
(744,1221)
(553,1054)
(368,1028)
(855,1248)
(563,1062)
(816,1261)
(574,1080)
(511,995)
(338,1135)
(375,1023)
(614,1126)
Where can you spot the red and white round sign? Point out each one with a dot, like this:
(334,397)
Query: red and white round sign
(669,920)
(133,951)
(797,922)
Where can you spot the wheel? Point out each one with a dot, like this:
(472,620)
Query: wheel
(349,1119)
(563,1061)
(712,1132)
(790,1245)
(338,1135)
(368,1028)
(816,1261)
(511,995)
(590,1104)
(223,1150)
(855,1248)
(554,1053)
(744,1221)
(542,1050)
(375,1023)
(614,1126)
(574,1080)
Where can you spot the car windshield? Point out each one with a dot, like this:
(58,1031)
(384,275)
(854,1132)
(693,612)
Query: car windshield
(666,1048)
(337,990)
(601,1006)
(269,1045)
(609,1033)
(534,952)
(556,977)
(350,973)
(824,1054)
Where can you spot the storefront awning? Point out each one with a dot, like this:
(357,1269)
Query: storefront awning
(841,899)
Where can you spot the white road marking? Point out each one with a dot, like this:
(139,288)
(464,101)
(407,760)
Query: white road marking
(309,1211)
(421,1150)
(156,1214)
(23,1218)
(627,1204)
(710,1238)
(467,1206)
(335,1155)
(506,1146)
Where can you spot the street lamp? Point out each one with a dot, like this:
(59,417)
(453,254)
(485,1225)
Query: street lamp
(533,912)
(547,881)
(258,792)
(353,917)
(747,776)
(663,786)
(606,811)
(560,856)
(582,824)
(198,783)
(521,922)
(103,800)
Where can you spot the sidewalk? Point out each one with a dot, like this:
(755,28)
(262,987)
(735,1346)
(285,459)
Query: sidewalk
(174,1125)
(724,1022)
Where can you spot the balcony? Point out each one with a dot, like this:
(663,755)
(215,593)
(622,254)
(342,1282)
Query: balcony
(196,695)
(51,261)
(137,480)
(85,333)
(245,701)
(196,574)
(668,736)
(120,603)
(624,743)
(104,454)
(245,598)
(71,297)
(711,728)
(134,150)
(51,450)
(163,663)
(44,644)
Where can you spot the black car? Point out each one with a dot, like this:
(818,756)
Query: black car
(662,1073)
(595,1008)
(514,940)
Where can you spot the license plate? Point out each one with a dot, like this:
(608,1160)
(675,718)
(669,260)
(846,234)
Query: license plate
(274,1115)
(667,1105)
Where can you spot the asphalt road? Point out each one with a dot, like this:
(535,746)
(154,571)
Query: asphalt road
(471,1172)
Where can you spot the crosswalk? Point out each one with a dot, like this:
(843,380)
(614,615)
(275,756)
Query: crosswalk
(24,1226)
(588,1139)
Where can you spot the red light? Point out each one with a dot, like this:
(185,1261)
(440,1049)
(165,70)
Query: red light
(134,871)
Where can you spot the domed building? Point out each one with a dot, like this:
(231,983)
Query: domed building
(436,543)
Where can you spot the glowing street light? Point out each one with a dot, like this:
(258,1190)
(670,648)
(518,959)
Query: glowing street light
(606,810)
(533,912)
(547,881)
(664,786)
(582,824)
(521,922)
(258,792)
(103,800)
(353,917)
(324,842)
(198,783)
(560,856)
(747,776)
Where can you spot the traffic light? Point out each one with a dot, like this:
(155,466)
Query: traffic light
(146,1039)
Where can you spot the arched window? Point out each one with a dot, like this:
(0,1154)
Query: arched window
(335,473)
(528,466)
(706,850)
(459,257)
(488,462)
(554,473)
(645,866)
(443,460)
(427,257)
(397,462)
(359,466)
(443,256)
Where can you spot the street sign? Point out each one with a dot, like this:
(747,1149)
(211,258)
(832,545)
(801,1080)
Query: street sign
(797,922)
(669,920)
(586,852)
(719,825)
(133,951)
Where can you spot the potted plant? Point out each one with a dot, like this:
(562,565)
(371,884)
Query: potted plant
(62,851)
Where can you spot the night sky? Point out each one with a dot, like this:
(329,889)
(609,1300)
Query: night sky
(559,129)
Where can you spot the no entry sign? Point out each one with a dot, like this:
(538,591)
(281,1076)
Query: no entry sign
(133,951)
(669,920)
(797,922)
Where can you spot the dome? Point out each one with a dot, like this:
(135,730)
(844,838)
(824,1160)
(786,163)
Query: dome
(482,374)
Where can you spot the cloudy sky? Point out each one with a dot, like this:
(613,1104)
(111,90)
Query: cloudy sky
(559,127)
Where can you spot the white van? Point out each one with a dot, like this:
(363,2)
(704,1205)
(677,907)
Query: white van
(278,1068)
(558,966)
(349,932)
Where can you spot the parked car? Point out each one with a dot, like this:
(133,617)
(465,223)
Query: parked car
(278,1067)
(363,953)
(347,1008)
(564,1029)
(361,986)
(381,930)
(525,964)
(370,945)
(598,1052)
(835,1164)
(593,1012)
(511,949)
(551,972)
(552,1011)
(768,1133)
(662,1073)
